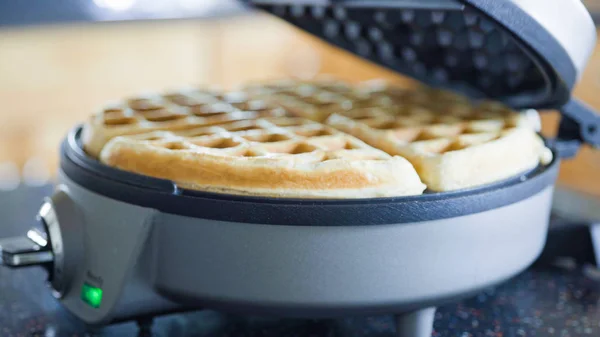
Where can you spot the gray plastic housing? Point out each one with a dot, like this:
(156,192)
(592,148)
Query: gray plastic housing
(148,262)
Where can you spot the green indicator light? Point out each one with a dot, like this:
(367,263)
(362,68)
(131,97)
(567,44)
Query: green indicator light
(91,295)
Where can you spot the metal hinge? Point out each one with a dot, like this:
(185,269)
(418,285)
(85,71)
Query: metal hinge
(579,124)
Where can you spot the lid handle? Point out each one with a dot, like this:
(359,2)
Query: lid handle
(579,124)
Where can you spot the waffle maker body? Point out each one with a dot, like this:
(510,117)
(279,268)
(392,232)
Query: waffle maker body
(162,248)
(119,245)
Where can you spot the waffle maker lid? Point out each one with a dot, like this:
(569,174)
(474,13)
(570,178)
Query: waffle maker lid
(525,53)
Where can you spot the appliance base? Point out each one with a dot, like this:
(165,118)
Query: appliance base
(595,235)
(294,271)
(418,323)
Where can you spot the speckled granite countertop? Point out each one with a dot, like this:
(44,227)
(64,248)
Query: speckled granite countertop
(553,298)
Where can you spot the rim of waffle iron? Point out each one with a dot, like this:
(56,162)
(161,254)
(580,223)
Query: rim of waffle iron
(167,197)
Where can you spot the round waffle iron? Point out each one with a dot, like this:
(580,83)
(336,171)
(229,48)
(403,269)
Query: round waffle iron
(119,245)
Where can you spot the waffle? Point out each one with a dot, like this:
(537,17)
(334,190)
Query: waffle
(181,109)
(322,139)
(276,156)
(451,143)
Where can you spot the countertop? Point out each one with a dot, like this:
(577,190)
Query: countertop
(556,297)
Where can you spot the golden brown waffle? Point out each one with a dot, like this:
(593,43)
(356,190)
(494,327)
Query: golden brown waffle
(283,157)
(455,146)
(239,143)
(177,110)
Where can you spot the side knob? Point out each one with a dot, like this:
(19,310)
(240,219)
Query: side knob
(64,226)
(56,245)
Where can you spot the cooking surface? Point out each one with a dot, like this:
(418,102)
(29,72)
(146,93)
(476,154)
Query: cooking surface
(547,300)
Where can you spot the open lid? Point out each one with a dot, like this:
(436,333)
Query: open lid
(524,53)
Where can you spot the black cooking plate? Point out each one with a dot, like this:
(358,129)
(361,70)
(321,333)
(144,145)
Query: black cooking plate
(166,196)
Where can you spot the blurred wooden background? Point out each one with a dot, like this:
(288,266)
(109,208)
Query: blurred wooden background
(53,77)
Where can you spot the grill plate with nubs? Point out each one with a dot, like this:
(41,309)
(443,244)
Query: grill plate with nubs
(126,244)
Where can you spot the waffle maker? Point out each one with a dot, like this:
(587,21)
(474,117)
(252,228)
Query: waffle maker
(118,245)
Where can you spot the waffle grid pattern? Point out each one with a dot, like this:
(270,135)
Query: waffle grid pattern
(197,107)
(417,125)
(452,142)
(279,138)
(180,109)
(439,138)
